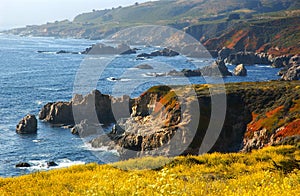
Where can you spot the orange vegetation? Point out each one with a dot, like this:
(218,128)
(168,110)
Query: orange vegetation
(291,129)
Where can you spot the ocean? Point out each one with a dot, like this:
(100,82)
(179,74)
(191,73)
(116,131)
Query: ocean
(29,79)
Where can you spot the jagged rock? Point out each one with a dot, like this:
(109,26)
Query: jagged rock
(27,125)
(59,113)
(248,58)
(95,107)
(218,68)
(144,66)
(240,70)
(23,164)
(164,52)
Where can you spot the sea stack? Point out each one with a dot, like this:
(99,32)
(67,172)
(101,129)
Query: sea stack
(27,125)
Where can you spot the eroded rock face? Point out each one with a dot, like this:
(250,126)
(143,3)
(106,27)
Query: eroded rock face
(240,70)
(27,125)
(292,71)
(95,108)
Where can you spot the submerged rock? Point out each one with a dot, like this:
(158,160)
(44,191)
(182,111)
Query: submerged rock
(27,125)
(144,66)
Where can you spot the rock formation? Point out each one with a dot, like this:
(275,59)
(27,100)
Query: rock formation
(240,70)
(27,125)
(102,49)
(164,52)
(292,71)
(248,58)
(218,68)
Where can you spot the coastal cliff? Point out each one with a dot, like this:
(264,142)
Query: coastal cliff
(165,120)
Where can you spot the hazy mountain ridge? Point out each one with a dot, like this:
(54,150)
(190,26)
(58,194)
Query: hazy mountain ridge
(210,21)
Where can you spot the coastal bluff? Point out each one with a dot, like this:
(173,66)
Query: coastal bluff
(258,114)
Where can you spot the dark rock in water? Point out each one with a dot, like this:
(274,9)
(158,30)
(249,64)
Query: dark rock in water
(218,68)
(23,164)
(95,107)
(62,52)
(102,49)
(52,164)
(59,113)
(144,66)
(27,125)
(164,52)
(240,70)
(248,58)
(84,129)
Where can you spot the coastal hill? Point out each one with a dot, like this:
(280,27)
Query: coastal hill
(258,25)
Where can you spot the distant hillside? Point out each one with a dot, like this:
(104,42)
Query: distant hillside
(204,19)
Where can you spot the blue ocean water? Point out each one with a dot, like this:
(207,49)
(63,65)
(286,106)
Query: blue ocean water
(29,79)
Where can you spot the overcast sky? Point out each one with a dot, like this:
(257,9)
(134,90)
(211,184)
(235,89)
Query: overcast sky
(19,13)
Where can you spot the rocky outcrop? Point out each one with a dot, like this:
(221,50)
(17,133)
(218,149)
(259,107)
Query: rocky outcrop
(248,58)
(27,125)
(164,52)
(281,61)
(100,49)
(292,71)
(240,70)
(224,53)
(59,113)
(218,68)
(94,108)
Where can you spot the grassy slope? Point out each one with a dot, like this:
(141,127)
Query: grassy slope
(271,171)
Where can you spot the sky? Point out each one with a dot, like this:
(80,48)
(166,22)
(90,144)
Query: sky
(19,13)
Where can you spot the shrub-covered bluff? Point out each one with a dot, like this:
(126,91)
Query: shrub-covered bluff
(257,115)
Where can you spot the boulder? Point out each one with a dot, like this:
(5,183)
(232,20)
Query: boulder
(218,68)
(240,70)
(23,164)
(27,125)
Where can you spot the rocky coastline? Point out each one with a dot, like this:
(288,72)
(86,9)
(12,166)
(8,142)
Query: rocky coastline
(160,121)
